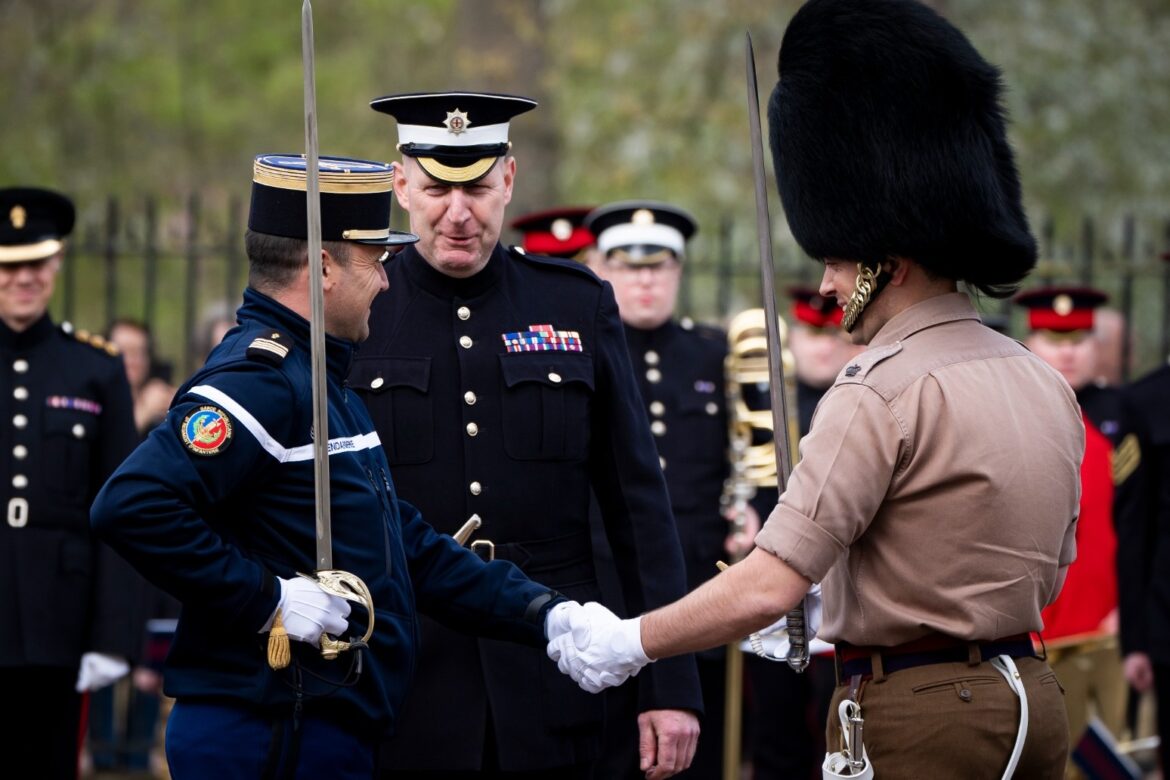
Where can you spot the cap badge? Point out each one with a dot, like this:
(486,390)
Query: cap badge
(17,216)
(642,217)
(562,229)
(207,431)
(1062,305)
(456,122)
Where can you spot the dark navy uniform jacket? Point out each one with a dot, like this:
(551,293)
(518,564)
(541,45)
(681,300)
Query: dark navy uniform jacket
(680,375)
(66,422)
(519,433)
(1141,467)
(214,520)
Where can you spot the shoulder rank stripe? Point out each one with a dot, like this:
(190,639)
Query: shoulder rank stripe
(268,349)
(339,446)
(1126,458)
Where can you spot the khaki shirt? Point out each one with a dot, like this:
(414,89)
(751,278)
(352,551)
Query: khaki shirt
(938,488)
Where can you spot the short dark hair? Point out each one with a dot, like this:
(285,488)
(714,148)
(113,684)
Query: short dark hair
(274,261)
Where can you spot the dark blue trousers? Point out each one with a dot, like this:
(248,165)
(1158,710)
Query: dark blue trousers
(229,742)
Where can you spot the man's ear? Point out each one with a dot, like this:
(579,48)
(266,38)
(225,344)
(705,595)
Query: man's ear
(401,190)
(897,268)
(328,270)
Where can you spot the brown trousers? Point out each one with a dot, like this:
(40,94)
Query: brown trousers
(959,722)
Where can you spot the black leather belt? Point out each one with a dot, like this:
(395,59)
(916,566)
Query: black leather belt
(935,649)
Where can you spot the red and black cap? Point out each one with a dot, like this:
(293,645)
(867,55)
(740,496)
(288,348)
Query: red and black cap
(455,136)
(356,197)
(33,223)
(813,309)
(559,232)
(1061,309)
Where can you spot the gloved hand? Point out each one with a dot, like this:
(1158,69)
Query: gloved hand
(557,620)
(594,646)
(774,638)
(308,611)
(99,670)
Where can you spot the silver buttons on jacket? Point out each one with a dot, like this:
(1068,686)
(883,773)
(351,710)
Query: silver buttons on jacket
(465,342)
(472,429)
(20,393)
(475,488)
(469,398)
(20,366)
(463,313)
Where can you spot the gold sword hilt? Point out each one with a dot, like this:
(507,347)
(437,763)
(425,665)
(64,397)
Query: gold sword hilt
(351,588)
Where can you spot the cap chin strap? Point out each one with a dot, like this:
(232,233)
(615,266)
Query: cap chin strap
(867,285)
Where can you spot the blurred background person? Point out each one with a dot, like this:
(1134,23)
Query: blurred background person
(641,252)
(66,626)
(1142,469)
(1080,626)
(125,723)
(214,323)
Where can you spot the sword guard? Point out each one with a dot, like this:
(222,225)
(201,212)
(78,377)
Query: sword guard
(351,588)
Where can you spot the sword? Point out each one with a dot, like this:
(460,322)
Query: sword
(797,629)
(339,583)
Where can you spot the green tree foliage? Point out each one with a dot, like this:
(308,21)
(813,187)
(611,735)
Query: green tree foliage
(642,99)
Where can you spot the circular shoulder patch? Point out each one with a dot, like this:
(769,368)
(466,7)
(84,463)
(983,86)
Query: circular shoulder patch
(207,430)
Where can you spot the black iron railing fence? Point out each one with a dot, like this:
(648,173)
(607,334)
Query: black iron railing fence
(176,265)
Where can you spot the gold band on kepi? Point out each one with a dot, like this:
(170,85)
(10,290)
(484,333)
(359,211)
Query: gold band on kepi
(457,137)
(356,198)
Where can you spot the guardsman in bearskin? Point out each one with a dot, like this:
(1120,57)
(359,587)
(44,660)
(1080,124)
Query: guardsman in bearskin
(501,384)
(218,507)
(66,424)
(1080,627)
(641,252)
(935,498)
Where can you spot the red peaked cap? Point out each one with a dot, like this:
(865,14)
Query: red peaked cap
(811,308)
(558,232)
(1061,309)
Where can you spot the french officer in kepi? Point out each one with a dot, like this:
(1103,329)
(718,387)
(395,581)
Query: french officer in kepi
(217,507)
(501,384)
(936,494)
(65,423)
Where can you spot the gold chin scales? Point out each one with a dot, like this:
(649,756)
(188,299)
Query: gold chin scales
(863,289)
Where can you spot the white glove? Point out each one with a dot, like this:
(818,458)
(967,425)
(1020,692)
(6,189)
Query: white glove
(774,638)
(99,670)
(557,620)
(594,646)
(308,611)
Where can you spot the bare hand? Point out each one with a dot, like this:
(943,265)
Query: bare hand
(666,741)
(1139,671)
(741,540)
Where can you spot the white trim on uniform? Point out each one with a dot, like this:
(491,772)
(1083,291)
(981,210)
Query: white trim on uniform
(363,441)
(628,234)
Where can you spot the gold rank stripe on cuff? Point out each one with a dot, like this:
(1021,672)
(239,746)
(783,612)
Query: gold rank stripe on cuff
(1126,459)
(268,345)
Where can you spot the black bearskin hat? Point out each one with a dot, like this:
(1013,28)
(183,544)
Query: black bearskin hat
(889,139)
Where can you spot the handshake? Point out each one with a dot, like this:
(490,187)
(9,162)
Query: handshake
(593,645)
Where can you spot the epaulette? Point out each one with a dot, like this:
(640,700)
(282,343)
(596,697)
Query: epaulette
(272,348)
(95,340)
(861,365)
(556,262)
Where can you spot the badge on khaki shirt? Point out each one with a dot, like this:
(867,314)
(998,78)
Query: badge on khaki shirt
(207,430)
